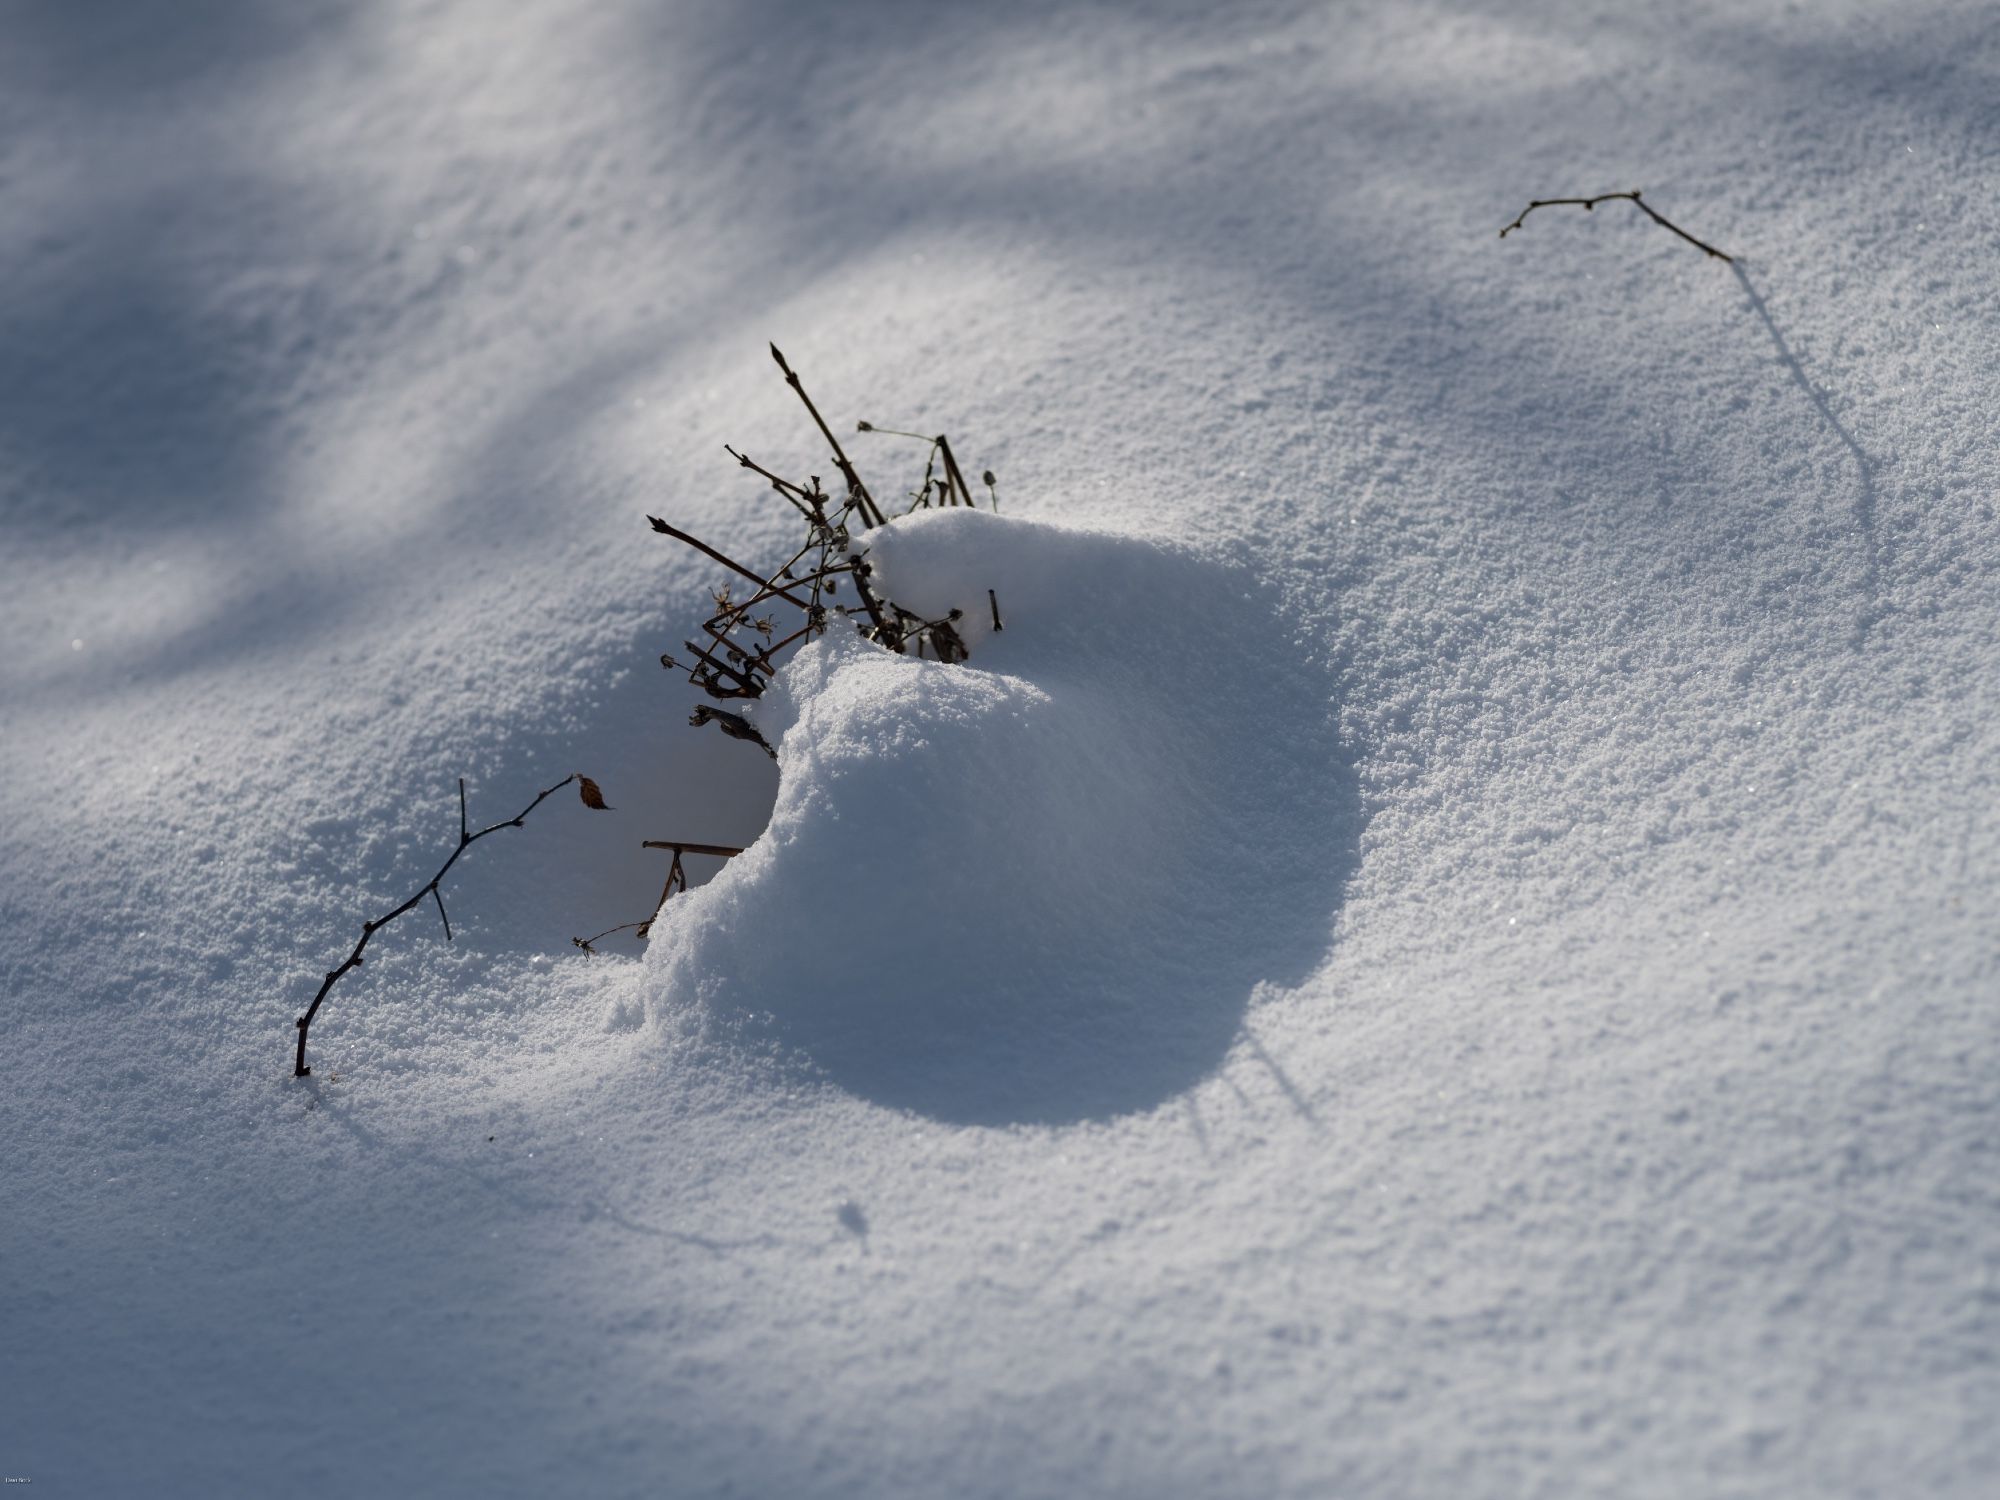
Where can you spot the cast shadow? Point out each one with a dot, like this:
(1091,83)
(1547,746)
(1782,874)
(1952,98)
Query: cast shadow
(1864,466)
(1057,911)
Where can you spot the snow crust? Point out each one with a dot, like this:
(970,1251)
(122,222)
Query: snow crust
(1446,950)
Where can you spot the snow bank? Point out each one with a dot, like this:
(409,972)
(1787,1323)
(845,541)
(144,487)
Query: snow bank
(1041,885)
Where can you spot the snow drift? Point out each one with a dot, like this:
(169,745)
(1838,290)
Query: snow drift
(1040,886)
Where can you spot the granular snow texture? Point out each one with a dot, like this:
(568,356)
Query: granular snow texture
(1446,950)
(1041,889)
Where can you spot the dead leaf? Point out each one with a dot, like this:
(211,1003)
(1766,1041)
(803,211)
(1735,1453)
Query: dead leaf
(592,796)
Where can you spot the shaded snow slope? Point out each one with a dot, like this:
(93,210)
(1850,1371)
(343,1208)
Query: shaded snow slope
(1041,886)
(1577,1078)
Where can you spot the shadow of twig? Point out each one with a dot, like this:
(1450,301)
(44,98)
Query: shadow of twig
(1864,504)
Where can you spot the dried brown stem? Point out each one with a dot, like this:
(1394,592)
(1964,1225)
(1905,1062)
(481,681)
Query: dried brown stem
(466,839)
(676,881)
(870,515)
(888,637)
(951,468)
(728,562)
(750,687)
(1586,204)
(644,923)
(784,487)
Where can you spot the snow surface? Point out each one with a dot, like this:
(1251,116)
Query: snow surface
(1446,950)
(1043,889)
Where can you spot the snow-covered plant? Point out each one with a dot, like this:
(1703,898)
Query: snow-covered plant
(744,635)
(745,639)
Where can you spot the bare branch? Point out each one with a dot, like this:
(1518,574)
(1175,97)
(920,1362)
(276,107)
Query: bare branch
(1586,204)
(870,515)
(466,840)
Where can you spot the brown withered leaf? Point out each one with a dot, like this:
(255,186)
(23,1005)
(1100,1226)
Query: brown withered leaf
(593,796)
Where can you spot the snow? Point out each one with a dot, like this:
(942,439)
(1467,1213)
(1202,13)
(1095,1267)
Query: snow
(1445,950)
(1043,888)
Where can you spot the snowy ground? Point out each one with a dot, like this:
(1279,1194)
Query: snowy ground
(1492,989)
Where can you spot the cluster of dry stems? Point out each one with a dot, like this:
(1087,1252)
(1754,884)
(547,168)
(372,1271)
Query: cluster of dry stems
(743,642)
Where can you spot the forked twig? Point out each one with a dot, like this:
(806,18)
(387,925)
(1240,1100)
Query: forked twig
(1586,204)
(676,881)
(592,797)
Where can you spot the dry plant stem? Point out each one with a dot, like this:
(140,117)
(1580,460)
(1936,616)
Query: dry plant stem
(785,487)
(1587,204)
(870,515)
(951,468)
(997,626)
(466,839)
(750,687)
(587,944)
(676,881)
(956,491)
(764,656)
(922,494)
(728,562)
(739,656)
(890,638)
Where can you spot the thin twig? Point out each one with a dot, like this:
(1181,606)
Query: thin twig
(1586,204)
(784,487)
(870,514)
(951,468)
(728,562)
(676,881)
(466,839)
(585,943)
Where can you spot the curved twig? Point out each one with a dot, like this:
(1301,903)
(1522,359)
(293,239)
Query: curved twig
(466,839)
(1586,204)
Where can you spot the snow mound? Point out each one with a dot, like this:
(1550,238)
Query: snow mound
(1041,886)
